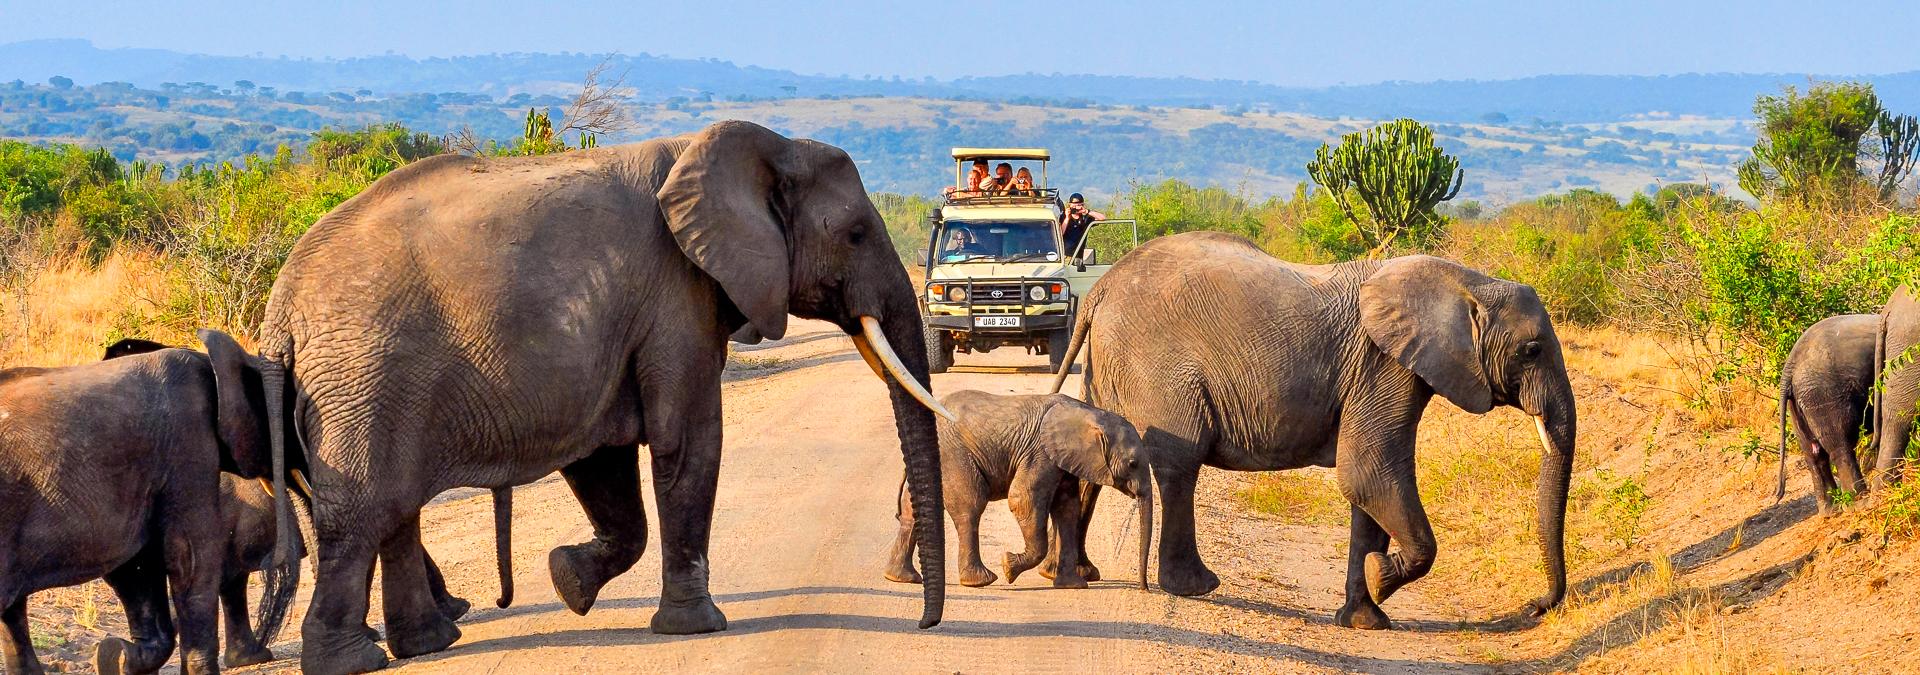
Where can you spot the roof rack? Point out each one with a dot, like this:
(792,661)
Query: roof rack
(1034,196)
(965,154)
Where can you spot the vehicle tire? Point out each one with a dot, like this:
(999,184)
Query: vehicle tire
(939,350)
(1057,342)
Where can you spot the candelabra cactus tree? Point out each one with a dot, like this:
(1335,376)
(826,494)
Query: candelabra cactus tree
(1397,174)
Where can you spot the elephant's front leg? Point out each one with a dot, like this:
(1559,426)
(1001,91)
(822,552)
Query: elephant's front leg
(415,623)
(607,483)
(900,559)
(16,641)
(1366,539)
(1031,500)
(1066,521)
(1376,475)
(1089,496)
(683,429)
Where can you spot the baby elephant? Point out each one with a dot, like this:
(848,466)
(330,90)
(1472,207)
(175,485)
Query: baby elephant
(1824,389)
(1031,451)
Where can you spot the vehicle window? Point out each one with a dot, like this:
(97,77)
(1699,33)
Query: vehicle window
(997,241)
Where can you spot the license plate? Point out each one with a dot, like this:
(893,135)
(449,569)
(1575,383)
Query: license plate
(996,322)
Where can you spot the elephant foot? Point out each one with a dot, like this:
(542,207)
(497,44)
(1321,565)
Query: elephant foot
(977,576)
(1069,581)
(1364,616)
(1383,577)
(1051,569)
(452,607)
(247,655)
(1014,564)
(903,574)
(115,656)
(347,655)
(435,634)
(372,635)
(574,578)
(688,618)
(1188,581)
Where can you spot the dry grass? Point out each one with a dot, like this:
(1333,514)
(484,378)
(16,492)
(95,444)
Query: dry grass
(1295,497)
(69,311)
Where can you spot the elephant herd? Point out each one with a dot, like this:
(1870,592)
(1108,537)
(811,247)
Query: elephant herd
(483,322)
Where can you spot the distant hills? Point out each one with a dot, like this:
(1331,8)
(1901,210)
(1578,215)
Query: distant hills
(1550,98)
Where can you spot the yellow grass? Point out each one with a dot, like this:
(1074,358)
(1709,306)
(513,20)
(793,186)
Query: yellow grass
(70,311)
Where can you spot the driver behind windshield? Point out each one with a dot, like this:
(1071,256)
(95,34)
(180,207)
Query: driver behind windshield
(960,245)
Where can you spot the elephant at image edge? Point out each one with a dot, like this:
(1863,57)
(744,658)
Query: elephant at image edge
(1224,356)
(485,321)
(248,520)
(1032,451)
(1823,396)
(1899,358)
(113,468)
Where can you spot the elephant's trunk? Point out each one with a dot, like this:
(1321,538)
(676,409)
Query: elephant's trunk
(1143,496)
(895,342)
(1557,424)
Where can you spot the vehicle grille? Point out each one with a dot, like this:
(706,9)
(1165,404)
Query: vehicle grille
(1009,294)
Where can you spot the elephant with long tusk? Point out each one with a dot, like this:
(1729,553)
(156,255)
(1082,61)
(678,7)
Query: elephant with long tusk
(1223,356)
(482,322)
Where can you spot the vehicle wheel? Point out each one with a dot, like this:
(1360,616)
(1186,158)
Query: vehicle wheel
(939,350)
(1057,342)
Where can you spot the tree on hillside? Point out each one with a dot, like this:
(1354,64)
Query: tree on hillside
(1398,174)
(60,82)
(1827,142)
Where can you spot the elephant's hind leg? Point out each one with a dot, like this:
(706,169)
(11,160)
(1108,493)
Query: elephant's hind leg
(900,559)
(607,484)
(243,648)
(141,584)
(334,635)
(15,641)
(415,623)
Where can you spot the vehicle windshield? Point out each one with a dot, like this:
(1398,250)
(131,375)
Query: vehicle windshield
(997,241)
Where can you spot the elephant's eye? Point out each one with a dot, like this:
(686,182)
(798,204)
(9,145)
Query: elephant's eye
(1530,349)
(857,233)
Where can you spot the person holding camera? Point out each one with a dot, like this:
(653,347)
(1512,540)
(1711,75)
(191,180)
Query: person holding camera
(1073,223)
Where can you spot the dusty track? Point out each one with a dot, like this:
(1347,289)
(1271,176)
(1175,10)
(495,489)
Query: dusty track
(803,523)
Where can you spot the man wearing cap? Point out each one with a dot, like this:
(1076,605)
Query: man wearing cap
(1073,223)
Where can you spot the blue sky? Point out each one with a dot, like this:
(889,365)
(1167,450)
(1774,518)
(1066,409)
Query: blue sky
(1323,42)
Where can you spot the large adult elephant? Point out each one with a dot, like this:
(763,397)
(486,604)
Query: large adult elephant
(1898,357)
(1223,356)
(482,322)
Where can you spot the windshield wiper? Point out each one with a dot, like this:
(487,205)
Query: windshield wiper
(1025,257)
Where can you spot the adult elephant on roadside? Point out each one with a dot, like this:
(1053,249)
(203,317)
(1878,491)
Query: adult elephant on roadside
(1223,356)
(484,321)
(1898,356)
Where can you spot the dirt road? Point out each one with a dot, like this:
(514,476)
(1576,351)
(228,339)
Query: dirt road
(802,527)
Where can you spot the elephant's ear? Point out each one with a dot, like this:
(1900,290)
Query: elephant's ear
(718,201)
(1419,310)
(240,404)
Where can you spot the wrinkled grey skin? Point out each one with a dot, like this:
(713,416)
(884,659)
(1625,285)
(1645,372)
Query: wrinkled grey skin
(1899,357)
(1225,357)
(1824,388)
(485,321)
(1031,451)
(247,521)
(113,469)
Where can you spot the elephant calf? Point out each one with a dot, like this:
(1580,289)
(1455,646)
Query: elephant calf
(113,469)
(1032,451)
(1824,388)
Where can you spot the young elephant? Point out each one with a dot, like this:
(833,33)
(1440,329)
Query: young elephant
(113,469)
(1032,451)
(1824,388)
(247,519)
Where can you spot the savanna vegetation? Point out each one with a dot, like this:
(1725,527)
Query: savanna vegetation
(1680,300)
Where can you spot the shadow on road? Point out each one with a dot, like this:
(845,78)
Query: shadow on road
(480,616)
(973,630)
(740,373)
(788,342)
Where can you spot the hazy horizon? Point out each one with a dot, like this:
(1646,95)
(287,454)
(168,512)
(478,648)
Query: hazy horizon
(1240,40)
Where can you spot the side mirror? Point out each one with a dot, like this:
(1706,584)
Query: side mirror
(921,254)
(1089,256)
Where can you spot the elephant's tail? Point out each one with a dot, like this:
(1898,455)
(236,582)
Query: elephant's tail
(503,543)
(1786,402)
(1082,320)
(282,572)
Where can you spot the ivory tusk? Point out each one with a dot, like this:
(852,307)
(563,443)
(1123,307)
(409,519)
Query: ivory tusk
(876,340)
(1540,425)
(873,362)
(300,481)
(265,485)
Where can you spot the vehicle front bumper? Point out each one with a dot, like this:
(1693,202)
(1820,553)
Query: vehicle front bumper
(1029,324)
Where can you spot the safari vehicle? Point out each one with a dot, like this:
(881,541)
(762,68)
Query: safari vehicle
(998,273)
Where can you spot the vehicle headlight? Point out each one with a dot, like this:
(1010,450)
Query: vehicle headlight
(1036,293)
(956,294)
